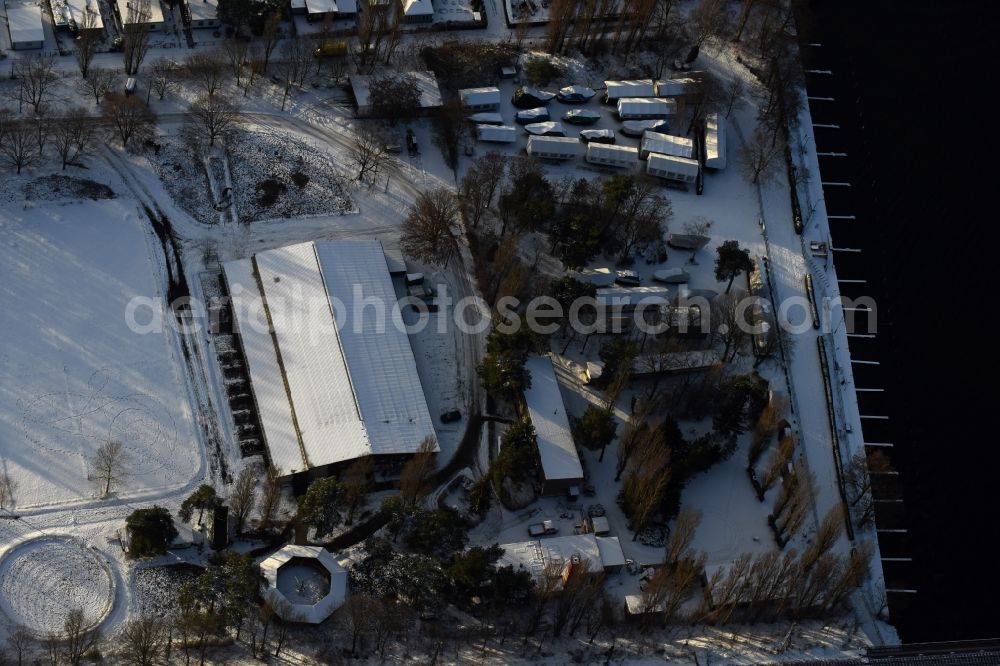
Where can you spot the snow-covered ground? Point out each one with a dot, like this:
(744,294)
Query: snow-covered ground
(72,373)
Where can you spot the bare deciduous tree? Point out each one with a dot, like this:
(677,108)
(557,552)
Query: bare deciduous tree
(75,133)
(36,76)
(858,480)
(760,157)
(244,495)
(778,463)
(213,117)
(236,50)
(110,466)
(142,641)
(415,477)
(357,482)
(130,116)
(98,82)
(829,530)
(8,489)
(87,39)
(270,497)
(79,639)
(135,34)
(18,141)
(682,536)
(429,231)
(369,156)
(163,77)
(19,642)
(205,70)
(269,38)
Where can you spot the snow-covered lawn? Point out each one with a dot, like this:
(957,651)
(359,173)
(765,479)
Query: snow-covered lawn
(43,579)
(274,175)
(72,373)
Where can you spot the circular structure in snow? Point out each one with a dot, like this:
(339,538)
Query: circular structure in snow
(42,580)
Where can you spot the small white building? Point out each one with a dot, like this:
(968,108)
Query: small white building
(554,147)
(417,11)
(555,557)
(139,12)
(612,155)
(480,99)
(496,133)
(204,13)
(487,118)
(665,144)
(682,169)
(615,90)
(561,466)
(24,22)
(715,141)
(677,87)
(304,583)
(430,93)
(641,108)
(77,15)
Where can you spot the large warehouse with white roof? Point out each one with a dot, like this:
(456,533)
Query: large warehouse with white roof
(331,369)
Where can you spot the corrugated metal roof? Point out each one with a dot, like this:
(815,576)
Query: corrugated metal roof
(634,88)
(352,383)
(378,353)
(715,141)
(548,414)
(480,96)
(267,381)
(667,144)
(311,356)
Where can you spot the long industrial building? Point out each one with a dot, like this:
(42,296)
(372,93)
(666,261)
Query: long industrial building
(331,370)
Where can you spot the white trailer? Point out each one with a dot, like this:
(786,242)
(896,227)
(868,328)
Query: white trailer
(611,155)
(496,133)
(480,99)
(715,141)
(638,108)
(487,118)
(554,147)
(682,169)
(615,90)
(677,87)
(665,144)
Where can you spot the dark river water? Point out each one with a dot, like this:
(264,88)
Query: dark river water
(915,90)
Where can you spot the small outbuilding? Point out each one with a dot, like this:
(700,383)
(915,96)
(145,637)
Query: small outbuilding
(715,141)
(615,90)
(680,169)
(24,22)
(426,82)
(480,99)
(554,147)
(611,155)
(496,133)
(304,583)
(665,144)
(561,466)
(643,108)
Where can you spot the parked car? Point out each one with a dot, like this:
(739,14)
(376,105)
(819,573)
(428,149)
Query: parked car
(597,136)
(582,116)
(636,128)
(575,94)
(628,278)
(544,528)
(451,416)
(545,129)
(541,114)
